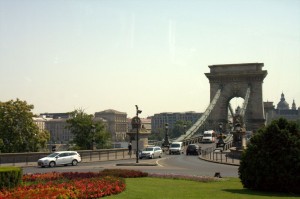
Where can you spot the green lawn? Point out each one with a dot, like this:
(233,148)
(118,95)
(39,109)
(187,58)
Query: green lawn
(154,188)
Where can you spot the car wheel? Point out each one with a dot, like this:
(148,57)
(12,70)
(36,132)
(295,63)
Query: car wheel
(74,162)
(52,164)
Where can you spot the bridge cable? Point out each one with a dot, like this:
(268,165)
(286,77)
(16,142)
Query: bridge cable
(193,129)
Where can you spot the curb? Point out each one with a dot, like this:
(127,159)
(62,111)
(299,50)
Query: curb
(136,164)
(227,163)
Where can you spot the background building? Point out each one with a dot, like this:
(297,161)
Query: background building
(282,110)
(117,125)
(55,115)
(41,122)
(59,134)
(159,120)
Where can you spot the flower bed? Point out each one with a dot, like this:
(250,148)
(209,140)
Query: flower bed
(71,185)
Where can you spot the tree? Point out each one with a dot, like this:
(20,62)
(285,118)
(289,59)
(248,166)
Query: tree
(180,127)
(158,135)
(271,161)
(18,132)
(87,130)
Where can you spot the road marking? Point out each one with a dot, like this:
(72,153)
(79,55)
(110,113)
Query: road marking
(157,162)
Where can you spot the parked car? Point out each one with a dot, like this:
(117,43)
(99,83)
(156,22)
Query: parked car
(60,158)
(151,152)
(193,149)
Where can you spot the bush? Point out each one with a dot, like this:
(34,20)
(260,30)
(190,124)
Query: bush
(271,161)
(10,177)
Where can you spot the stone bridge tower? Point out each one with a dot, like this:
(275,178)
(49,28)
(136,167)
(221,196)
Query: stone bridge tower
(234,80)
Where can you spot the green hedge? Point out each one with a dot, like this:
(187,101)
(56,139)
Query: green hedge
(10,177)
(271,161)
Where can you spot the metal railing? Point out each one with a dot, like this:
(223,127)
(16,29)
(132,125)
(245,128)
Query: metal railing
(222,154)
(30,158)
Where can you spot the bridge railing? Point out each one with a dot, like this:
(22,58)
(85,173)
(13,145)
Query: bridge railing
(193,140)
(221,154)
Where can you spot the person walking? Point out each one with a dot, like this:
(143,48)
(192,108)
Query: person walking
(129,149)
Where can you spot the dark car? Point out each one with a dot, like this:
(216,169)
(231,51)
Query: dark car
(193,149)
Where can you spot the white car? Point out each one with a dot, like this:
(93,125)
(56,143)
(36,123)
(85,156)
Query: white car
(151,152)
(176,148)
(60,158)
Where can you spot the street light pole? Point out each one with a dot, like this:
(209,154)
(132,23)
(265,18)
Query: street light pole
(136,123)
(221,128)
(166,142)
(93,128)
(220,140)
(238,139)
(184,126)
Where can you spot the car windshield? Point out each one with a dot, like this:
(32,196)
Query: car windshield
(175,145)
(53,155)
(192,146)
(148,149)
(207,135)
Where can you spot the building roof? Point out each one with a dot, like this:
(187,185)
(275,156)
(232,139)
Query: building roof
(283,105)
(111,111)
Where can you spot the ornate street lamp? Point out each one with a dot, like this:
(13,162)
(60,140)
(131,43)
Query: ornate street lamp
(230,126)
(220,128)
(166,142)
(136,123)
(93,130)
(238,139)
(238,127)
(220,140)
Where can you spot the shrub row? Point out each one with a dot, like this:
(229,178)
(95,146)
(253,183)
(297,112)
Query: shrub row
(10,177)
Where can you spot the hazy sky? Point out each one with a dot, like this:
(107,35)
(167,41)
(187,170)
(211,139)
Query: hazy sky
(61,55)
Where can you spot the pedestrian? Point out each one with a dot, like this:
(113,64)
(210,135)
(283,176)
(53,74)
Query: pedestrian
(129,148)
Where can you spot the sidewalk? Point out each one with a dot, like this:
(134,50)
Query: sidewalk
(220,157)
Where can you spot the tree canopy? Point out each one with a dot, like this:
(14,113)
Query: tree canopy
(271,161)
(18,132)
(88,130)
(180,127)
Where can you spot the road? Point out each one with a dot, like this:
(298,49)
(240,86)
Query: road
(168,164)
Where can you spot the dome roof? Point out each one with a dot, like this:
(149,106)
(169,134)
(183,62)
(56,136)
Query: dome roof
(283,105)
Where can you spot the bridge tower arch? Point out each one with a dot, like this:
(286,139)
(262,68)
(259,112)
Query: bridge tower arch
(235,80)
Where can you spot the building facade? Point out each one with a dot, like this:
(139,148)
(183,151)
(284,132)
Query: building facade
(59,134)
(40,122)
(117,123)
(159,120)
(282,110)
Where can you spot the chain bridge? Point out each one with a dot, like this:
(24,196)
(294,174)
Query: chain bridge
(228,81)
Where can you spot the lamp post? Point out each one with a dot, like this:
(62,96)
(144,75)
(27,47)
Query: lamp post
(237,129)
(166,142)
(220,128)
(230,126)
(93,130)
(34,141)
(136,123)
(220,140)
(184,127)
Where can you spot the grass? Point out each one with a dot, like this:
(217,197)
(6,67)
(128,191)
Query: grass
(231,188)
